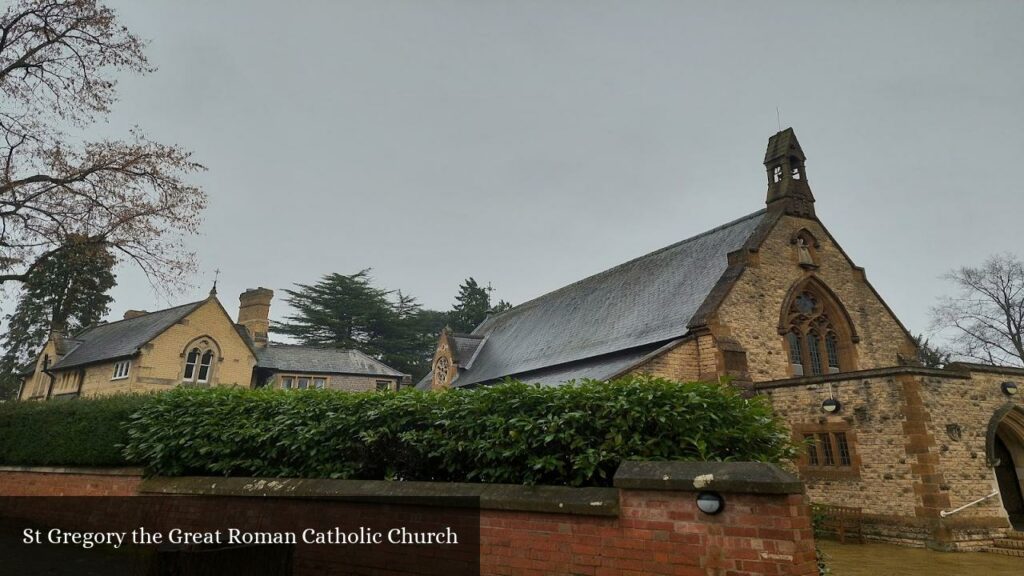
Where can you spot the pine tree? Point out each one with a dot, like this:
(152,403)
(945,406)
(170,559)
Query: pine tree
(930,356)
(67,292)
(472,305)
(348,311)
(340,311)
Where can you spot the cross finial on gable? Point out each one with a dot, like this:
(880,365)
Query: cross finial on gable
(216,276)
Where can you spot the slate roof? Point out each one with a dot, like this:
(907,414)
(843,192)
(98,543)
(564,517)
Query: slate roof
(121,338)
(466,346)
(639,303)
(289,358)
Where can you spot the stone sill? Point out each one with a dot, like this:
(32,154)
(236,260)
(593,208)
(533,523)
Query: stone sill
(125,471)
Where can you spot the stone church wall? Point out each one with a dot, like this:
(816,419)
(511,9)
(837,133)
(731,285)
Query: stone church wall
(918,438)
(750,312)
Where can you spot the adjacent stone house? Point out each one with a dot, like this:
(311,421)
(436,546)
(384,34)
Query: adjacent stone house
(771,303)
(195,344)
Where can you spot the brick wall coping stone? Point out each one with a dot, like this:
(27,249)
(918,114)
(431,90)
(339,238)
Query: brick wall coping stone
(736,477)
(864,375)
(551,499)
(124,471)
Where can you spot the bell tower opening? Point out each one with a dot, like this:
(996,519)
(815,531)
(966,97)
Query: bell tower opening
(788,190)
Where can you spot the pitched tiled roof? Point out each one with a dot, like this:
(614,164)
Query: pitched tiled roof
(122,338)
(289,358)
(642,302)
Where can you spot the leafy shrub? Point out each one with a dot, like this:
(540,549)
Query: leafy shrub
(511,433)
(83,432)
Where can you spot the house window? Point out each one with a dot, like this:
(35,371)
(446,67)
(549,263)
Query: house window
(190,363)
(829,452)
(303,382)
(383,385)
(121,369)
(198,366)
(816,335)
(204,367)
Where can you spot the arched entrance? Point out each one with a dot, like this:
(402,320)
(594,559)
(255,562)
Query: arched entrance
(1005,447)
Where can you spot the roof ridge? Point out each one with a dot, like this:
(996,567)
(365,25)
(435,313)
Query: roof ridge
(493,319)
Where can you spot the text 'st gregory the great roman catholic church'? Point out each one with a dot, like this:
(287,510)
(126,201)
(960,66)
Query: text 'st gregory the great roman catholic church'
(771,301)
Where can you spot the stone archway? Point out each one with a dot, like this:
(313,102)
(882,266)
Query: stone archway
(1005,451)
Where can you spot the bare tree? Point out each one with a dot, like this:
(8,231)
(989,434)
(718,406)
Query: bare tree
(987,315)
(57,60)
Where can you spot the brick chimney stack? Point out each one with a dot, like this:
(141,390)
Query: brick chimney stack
(254,313)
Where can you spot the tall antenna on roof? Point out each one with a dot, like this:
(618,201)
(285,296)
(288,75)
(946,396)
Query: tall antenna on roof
(778,118)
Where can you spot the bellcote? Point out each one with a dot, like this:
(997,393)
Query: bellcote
(788,189)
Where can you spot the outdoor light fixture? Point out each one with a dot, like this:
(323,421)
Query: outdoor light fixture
(710,503)
(831,406)
(1009,388)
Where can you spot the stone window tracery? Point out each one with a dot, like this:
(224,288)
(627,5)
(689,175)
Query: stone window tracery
(441,369)
(816,335)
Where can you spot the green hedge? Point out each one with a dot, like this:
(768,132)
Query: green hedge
(66,432)
(511,433)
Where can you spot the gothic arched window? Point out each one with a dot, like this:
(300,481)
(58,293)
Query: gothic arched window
(818,337)
(199,362)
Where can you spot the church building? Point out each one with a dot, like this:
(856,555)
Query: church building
(771,303)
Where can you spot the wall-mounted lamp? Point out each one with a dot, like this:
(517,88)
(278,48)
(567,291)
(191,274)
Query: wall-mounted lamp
(1009,388)
(831,406)
(710,503)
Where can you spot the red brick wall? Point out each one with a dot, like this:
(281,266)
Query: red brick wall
(656,532)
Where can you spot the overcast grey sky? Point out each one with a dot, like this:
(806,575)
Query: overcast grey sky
(531,144)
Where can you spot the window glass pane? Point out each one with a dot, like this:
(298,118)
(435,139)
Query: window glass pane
(814,353)
(812,450)
(190,363)
(805,303)
(319,383)
(286,382)
(303,383)
(832,348)
(795,353)
(828,458)
(204,367)
(844,449)
(383,385)
(121,369)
